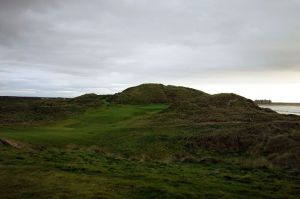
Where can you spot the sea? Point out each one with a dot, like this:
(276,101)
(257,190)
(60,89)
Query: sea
(284,109)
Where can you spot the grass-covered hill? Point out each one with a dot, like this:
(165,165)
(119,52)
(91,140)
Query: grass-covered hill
(156,93)
(149,141)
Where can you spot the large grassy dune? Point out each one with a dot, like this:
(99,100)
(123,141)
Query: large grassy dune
(220,146)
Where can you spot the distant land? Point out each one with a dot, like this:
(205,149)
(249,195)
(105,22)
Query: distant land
(270,102)
(285,104)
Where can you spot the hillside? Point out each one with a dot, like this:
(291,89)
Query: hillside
(156,93)
(35,110)
(149,141)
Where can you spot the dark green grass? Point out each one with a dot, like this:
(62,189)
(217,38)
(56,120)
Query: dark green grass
(115,152)
(56,173)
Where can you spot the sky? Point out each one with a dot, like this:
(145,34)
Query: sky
(65,48)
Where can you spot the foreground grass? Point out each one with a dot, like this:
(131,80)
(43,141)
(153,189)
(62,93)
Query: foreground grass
(54,173)
(109,152)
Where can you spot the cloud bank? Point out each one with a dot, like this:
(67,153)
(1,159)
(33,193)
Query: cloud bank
(70,47)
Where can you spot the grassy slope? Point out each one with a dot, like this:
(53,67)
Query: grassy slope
(112,152)
(33,110)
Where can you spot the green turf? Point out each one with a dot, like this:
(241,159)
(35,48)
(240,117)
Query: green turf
(88,128)
(54,173)
(115,152)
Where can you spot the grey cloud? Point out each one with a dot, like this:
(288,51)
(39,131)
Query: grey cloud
(15,18)
(78,46)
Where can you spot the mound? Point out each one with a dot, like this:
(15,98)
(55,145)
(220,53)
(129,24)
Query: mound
(225,107)
(156,93)
(194,106)
(90,99)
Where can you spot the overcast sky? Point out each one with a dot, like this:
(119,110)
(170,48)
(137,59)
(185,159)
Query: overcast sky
(70,47)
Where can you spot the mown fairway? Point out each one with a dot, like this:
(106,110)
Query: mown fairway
(115,152)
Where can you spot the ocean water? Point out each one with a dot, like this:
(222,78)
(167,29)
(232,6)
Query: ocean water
(284,109)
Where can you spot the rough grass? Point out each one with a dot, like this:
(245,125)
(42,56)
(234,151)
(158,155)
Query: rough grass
(33,110)
(155,93)
(76,173)
(194,146)
(116,151)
